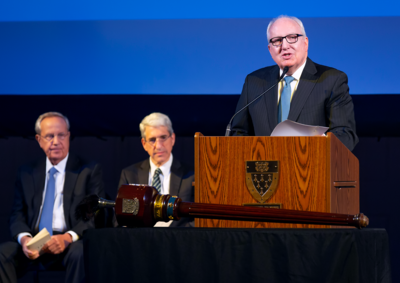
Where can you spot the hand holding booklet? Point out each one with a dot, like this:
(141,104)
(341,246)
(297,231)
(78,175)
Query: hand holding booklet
(37,242)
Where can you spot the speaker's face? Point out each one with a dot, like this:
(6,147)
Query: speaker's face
(291,55)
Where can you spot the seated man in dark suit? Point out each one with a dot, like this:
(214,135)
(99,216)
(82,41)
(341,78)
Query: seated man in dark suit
(164,172)
(46,195)
(310,93)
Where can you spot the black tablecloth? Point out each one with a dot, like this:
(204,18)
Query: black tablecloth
(236,255)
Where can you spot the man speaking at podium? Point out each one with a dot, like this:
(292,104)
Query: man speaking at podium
(309,93)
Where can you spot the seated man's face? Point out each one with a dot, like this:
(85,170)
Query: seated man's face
(158,144)
(54,138)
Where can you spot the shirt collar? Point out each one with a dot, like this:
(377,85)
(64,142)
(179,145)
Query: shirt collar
(165,168)
(60,166)
(298,72)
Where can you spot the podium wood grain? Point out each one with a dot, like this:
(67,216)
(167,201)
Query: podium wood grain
(315,174)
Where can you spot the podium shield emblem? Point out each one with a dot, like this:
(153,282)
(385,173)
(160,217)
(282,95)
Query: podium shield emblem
(262,179)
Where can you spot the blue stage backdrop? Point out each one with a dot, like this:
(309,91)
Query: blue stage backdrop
(173,47)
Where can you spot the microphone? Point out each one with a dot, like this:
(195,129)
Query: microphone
(228,128)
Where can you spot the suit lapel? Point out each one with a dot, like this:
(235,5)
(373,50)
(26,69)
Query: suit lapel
(72,171)
(143,173)
(176,178)
(39,178)
(271,98)
(307,83)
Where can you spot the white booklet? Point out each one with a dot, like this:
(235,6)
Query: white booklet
(289,128)
(37,242)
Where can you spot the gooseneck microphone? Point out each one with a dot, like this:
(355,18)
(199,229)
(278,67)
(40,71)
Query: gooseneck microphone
(228,128)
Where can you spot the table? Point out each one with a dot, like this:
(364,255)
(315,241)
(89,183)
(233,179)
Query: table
(236,255)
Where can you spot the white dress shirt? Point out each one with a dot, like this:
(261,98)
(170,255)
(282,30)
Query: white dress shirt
(165,179)
(59,223)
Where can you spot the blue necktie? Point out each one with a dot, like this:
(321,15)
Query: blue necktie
(46,219)
(284,104)
(156,183)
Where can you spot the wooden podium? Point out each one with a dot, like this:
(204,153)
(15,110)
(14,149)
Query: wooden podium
(315,174)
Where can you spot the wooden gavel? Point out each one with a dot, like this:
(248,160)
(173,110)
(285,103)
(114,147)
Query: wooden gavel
(143,206)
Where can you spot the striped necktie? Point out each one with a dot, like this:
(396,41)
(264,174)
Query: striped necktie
(46,219)
(284,103)
(156,183)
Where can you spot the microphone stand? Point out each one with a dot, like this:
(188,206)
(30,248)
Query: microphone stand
(228,128)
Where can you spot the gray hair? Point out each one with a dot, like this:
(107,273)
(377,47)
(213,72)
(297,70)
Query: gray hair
(155,119)
(286,17)
(39,120)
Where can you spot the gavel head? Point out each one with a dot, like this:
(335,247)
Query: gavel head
(143,206)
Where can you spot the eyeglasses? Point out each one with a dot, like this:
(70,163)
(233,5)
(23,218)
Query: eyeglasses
(290,38)
(50,137)
(161,139)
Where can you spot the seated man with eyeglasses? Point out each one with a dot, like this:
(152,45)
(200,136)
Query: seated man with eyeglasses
(161,170)
(309,93)
(46,194)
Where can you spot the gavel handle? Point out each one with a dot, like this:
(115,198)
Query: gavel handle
(244,213)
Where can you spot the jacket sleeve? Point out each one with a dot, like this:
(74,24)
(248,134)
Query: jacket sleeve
(18,219)
(94,185)
(340,113)
(123,180)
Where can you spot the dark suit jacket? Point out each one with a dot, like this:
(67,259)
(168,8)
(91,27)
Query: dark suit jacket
(180,185)
(321,99)
(81,179)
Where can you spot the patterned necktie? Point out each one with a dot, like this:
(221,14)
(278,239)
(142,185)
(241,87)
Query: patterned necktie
(156,183)
(46,219)
(284,103)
